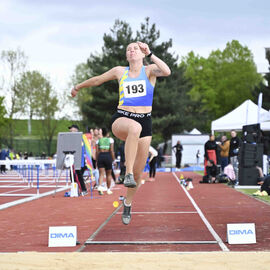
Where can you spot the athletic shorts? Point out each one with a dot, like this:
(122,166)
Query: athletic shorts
(104,160)
(144,119)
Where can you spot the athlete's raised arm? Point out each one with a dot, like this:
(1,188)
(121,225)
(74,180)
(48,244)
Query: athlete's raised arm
(159,68)
(111,74)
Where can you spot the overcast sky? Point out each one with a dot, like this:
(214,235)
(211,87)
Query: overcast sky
(56,35)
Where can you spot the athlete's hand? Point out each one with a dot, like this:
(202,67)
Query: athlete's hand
(144,48)
(74,92)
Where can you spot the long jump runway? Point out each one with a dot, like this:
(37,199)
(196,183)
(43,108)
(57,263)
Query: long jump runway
(164,218)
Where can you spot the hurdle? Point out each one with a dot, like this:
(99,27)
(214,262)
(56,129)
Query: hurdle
(34,173)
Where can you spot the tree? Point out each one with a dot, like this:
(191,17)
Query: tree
(223,80)
(264,86)
(46,107)
(3,120)
(14,63)
(170,95)
(30,88)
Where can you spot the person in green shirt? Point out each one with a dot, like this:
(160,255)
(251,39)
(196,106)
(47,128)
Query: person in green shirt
(105,158)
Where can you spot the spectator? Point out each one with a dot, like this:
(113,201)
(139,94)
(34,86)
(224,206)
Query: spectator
(235,144)
(178,148)
(264,181)
(105,157)
(210,151)
(152,163)
(229,171)
(198,156)
(224,151)
(43,155)
(25,155)
(3,156)
(121,151)
(95,137)
(160,156)
(78,174)
(211,172)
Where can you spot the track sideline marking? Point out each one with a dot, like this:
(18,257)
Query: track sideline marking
(191,212)
(206,222)
(7,205)
(91,238)
(147,242)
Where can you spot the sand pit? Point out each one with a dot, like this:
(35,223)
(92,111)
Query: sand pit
(145,261)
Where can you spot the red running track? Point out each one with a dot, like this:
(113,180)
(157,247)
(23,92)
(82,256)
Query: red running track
(162,211)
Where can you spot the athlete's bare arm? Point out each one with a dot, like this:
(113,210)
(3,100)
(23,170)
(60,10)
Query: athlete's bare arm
(113,74)
(159,68)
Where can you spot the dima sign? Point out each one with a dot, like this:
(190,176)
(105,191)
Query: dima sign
(241,233)
(62,236)
(235,232)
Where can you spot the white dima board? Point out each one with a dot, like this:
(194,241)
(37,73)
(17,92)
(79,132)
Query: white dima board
(191,144)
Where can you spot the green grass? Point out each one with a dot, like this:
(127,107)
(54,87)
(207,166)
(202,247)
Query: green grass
(247,191)
(23,142)
(21,128)
(251,191)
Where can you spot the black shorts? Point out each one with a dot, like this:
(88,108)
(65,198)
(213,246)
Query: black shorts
(104,160)
(144,119)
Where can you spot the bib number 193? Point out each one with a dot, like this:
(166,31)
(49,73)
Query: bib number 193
(134,89)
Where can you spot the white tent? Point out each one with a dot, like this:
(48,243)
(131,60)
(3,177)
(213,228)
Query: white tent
(245,114)
(195,131)
(192,142)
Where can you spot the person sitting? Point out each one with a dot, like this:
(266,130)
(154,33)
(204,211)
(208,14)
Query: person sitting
(229,171)
(211,172)
(264,181)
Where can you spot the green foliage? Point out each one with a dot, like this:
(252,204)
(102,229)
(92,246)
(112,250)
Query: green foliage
(264,87)
(37,98)
(3,120)
(32,143)
(30,86)
(223,80)
(14,63)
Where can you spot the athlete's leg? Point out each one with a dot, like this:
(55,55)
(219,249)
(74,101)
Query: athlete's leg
(108,178)
(140,161)
(129,131)
(100,180)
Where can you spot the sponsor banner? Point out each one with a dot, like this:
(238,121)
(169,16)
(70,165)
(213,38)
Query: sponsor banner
(62,236)
(241,233)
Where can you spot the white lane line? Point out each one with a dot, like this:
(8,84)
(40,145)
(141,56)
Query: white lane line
(191,212)
(206,222)
(89,242)
(27,187)
(7,205)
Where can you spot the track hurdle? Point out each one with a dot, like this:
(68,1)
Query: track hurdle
(30,172)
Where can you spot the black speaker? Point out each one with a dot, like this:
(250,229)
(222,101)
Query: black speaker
(266,142)
(252,133)
(255,128)
(248,176)
(251,155)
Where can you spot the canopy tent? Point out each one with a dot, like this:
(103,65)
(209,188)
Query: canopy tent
(245,114)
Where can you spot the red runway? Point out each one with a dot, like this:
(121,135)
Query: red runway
(165,217)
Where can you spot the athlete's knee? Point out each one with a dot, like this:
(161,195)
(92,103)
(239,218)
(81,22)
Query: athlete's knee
(135,130)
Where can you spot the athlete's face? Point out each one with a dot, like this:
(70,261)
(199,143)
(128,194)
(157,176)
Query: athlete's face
(134,52)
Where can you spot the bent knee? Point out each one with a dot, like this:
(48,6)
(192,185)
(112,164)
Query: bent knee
(135,130)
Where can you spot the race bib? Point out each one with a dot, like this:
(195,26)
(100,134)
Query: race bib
(134,89)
